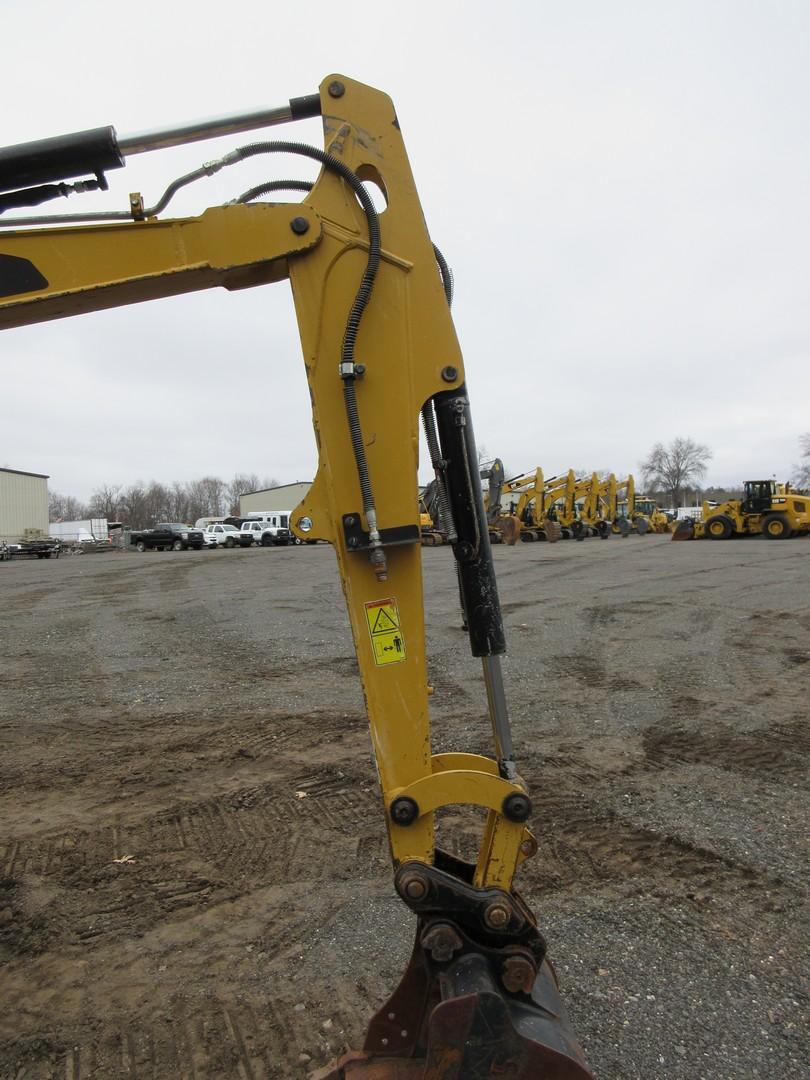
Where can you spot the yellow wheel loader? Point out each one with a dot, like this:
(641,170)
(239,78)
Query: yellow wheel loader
(636,513)
(479,997)
(768,509)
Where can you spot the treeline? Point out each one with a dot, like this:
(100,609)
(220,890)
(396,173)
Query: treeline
(141,505)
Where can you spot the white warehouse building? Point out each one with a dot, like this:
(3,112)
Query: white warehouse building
(23,503)
(285,497)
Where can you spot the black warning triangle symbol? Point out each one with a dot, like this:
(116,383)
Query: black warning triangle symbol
(383,622)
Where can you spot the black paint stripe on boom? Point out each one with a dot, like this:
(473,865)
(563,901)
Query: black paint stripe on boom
(19,276)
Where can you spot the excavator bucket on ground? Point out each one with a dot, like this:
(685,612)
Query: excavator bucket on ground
(468,1007)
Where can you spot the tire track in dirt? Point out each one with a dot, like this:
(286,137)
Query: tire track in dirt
(125,877)
(209,1040)
(780,752)
(586,843)
(223,1039)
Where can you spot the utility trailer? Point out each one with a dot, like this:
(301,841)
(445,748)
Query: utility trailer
(46,548)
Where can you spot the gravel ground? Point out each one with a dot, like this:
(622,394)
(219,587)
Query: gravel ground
(194,877)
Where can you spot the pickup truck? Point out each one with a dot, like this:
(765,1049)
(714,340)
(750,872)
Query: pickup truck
(168,536)
(222,535)
(265,533)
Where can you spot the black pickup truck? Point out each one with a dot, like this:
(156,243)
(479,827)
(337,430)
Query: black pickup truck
(168,536)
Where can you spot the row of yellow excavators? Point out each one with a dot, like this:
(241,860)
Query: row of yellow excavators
(531,507)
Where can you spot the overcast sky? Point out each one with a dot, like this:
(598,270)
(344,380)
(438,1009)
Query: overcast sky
(620,186)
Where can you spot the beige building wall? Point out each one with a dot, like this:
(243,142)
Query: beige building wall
(285,497)
(23,503)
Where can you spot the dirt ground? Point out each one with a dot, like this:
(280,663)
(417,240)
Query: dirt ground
(194,878)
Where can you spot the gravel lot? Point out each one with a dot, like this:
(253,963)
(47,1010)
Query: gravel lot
(194,876)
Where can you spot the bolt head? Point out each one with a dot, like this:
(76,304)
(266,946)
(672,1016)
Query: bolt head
(404,810)
(414,886)
(497,916)
(299,225)
(518,975)
(449,373)
(336,88)
(517,807)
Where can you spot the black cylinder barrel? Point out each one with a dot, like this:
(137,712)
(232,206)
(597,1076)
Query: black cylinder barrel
(472,549)
(84,153)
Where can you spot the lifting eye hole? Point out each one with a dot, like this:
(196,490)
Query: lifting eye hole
(375,187)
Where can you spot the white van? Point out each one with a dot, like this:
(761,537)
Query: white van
(279,519)
(270,527)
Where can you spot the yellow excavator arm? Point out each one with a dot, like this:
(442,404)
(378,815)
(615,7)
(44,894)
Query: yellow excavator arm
(379,347)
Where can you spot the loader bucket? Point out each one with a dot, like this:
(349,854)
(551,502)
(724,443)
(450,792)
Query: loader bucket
(684,530)
(461,1024)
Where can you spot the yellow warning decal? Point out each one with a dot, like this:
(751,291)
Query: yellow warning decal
(387,642)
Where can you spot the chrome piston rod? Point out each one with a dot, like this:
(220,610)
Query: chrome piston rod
(214,127)
(499,716)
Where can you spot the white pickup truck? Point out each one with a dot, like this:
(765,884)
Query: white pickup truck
(222,535)
(267,530)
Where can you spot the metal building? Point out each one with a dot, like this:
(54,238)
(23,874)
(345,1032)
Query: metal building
(23,503)
(284,497)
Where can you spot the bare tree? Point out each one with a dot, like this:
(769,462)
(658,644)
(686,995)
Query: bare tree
(801,472)
(66,508)
(105,502)
(672,468)
(240,484)
(142,505)
(133,507)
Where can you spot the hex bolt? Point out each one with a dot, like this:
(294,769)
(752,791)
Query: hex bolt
(449,373)
(497,915)
(299,225)
(414,886)
(518,974)
(348,521)
(336,88)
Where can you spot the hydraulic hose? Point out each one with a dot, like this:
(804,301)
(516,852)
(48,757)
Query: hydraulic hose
(273,185)
(348,367)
